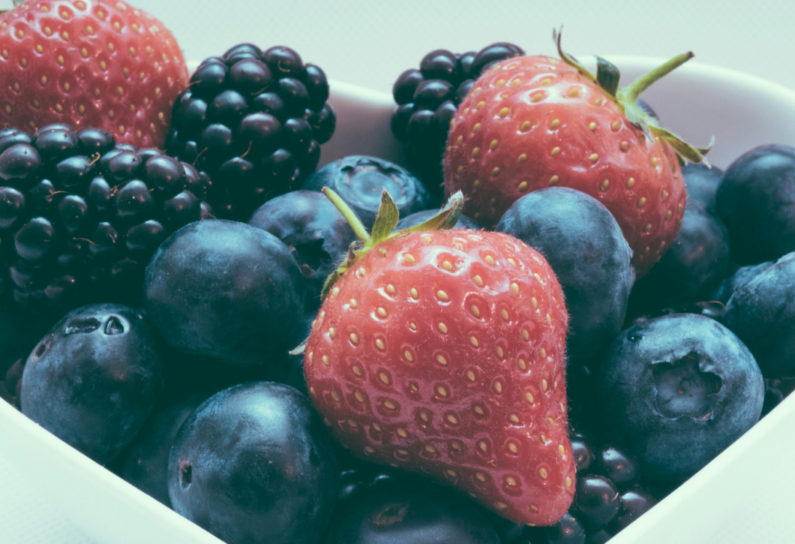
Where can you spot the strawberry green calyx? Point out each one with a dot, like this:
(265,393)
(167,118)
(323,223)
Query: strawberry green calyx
(608,77)
(384,228)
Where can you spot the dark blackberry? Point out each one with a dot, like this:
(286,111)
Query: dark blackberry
(80,216)
(427,100)
(254,120)
(610,495)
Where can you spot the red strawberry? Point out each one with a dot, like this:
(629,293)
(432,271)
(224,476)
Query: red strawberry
(532,122)
(89,63)
(444,353)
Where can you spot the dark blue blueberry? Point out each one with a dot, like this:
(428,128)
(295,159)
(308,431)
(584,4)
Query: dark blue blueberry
(420,514)
(145,461)
(702,184)
(692,267)
(678,383)
(762,314)
(94,379)
(360,180)
(253,464)
(584,245)
(416,218)
(740,277)
(225,290)
(756,200)
(314,231)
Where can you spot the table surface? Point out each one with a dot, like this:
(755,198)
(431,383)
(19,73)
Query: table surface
(369,42)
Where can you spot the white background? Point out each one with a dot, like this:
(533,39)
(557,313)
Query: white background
(369,42)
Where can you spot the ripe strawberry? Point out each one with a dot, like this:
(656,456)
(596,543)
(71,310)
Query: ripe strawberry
(89,63)
(533,122)
(444,353)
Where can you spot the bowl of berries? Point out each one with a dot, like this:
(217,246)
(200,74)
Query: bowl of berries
(515,301)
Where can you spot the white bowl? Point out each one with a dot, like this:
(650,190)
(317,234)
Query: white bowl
(742,496)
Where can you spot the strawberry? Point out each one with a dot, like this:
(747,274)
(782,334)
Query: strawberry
(443,353)
(89,63)
(532,122)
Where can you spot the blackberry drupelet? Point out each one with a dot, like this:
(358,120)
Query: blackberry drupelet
(81,215)
(427,100)
(610,495)
(254,121)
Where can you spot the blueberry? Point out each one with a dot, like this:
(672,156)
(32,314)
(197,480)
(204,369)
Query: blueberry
(359,180)
(420,514)
(692,267)
(702,184)
(314,231)
(756,200)
(145,462)
(762,314)
(740,277)
(416,218)
(94,379)
(253,464)
(225,290)
(679,383)
(584,245)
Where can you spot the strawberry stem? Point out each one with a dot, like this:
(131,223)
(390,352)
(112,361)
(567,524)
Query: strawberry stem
(350,216)
(631,92)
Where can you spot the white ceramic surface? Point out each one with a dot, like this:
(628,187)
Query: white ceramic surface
(743,496)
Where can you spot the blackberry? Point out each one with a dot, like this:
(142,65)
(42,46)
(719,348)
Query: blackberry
(254,121)
(81,215)
(427,100)
(610,495)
